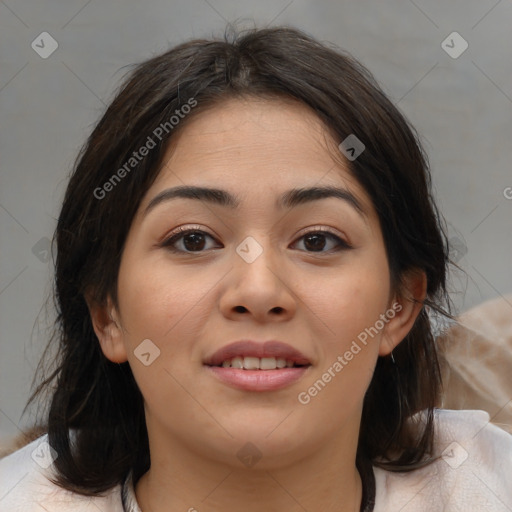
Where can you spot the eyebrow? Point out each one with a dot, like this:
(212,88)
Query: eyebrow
(289,199)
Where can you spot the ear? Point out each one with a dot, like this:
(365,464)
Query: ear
(107,327)
(406,306)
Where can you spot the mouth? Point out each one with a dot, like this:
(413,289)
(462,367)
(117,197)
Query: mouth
(253,366)
(259,363)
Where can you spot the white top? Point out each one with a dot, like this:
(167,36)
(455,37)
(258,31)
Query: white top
(473,473)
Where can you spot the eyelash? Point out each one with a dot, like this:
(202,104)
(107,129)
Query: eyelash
(177,235)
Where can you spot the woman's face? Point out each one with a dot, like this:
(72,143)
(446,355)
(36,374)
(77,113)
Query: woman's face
(311,273)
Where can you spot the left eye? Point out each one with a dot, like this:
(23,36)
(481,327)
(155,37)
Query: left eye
(194,240)
(316,241)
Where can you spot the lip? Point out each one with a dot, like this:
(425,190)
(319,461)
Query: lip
(258,380)
(249,348)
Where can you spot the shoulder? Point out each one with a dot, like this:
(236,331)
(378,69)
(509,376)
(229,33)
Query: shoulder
(472,470)
(26,486)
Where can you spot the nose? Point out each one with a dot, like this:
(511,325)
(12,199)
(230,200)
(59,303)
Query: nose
(261,290)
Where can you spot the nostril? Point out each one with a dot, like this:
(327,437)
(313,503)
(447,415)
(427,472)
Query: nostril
(240,309)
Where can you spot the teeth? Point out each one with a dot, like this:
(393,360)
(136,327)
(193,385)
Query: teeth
(252,363)
(237,362)
(256,363)
(268,363)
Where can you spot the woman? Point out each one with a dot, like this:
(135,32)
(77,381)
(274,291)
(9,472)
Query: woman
(247,254)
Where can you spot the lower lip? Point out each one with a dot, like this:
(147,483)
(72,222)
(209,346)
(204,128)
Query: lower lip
(258,380)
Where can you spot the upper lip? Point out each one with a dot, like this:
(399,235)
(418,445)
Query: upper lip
(249,348)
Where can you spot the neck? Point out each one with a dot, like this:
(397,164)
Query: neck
(183,479)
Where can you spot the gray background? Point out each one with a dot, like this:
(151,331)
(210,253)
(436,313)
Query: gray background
(461,106)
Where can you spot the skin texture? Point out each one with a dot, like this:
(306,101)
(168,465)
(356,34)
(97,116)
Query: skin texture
(190,304)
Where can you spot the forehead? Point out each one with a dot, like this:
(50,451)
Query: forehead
(265,128)
(254,146)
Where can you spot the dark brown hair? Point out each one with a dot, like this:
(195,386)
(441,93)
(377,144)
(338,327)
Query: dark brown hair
(98,400)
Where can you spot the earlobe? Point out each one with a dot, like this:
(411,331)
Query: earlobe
(407,306)
(107,327)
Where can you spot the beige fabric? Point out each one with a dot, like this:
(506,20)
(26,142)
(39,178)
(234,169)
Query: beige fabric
(476,361)
(21,440)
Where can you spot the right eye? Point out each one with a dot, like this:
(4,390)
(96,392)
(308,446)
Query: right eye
(190,239)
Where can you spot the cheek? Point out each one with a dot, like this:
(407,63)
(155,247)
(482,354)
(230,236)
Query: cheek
(155,299)
(349,353)
(351,300)
(157,304)
(167,306)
